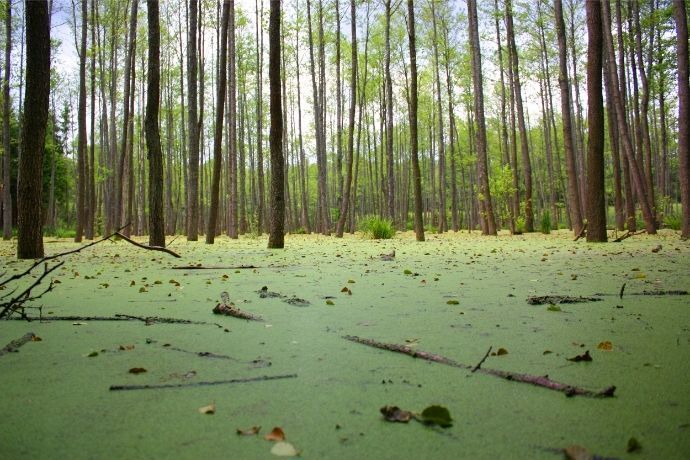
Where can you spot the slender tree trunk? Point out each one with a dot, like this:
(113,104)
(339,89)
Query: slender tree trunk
(29,218)
(681,18)
(451,132)
(417,176)
(218,129)
(192,127)
(478,89)
(91,165)
(389,114)
(153,141)
(81,121)
(351,127)
(232,132)
(615,149)
(304,215)
(276,236)
(596,203)
(6,158)
(443,221)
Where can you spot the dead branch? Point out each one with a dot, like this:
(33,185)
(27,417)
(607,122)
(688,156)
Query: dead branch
(230,309)
(144,246)
(583,232)
(262,378)
(15,344)
(479,364)
(556,299)
(541,381)
(626,235)
(213,267)
(118,317)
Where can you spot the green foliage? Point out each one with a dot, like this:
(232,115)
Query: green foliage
(672,221)
(520,225)
(546,223)
(377,228)
(299,231)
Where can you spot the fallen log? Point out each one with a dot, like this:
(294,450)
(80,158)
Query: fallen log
(199,384)
(118,317)
(556,299)
(541,381)
(15,344)
(229,309)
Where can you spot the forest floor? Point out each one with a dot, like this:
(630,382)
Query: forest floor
(454,295)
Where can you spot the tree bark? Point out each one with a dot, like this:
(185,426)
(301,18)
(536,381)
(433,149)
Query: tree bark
(478,88)
(218,133)
(276,235)
(596,204)
(232,131)
(81,136)
(681,19)
(36,98)
(389,114)
(414,146)
(192,127)
(6,158)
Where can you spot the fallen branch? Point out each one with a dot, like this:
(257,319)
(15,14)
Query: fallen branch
(199,384)
(150,248)
(583,232)
(626,235)
(15,344)
(556,299)
(231,310)
(541,381)
(118,317)
(479,364)
(213,267)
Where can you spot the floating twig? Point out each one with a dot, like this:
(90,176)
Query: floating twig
(622,290)
(479,364)
(556,299)
(13,345)
(626,235)
(150,248)
(541,381)
(213,267)
(199,384)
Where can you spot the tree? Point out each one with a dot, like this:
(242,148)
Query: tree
(6,157)
(193,130)
(218,132)
(232,128)
(478,89)
(276,236)
(596,204)
(414,141)
(389,114)
(681,18)
(351,126)
(566,110)
(36,98)
(81,141)
(153,138)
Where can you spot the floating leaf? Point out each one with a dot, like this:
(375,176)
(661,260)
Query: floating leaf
(351,281)
(639,276)
(249,431)
(330,302)
(284,449)
(158,282)
(547,352)
(453,302)
(633,445)
(132,283)
(143,289)
(210,409)
(553,308)
(501,351)
(407,272)
(92,354)
(78,324)
(577,453)
(395,414)
(277,434)
(36,338)
(436,415)
(606,345)
(137,370)
(582,357)
(126,347)
(105,285)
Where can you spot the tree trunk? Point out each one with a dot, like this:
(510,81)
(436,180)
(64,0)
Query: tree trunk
(192,129)
(478,89)
(29,190)
(596,203)
(389,114)
(218,129)
(443,221)
(260,211)
(304,214)
(351,127)
(276,235)
(417,176)
(681,18)
(6,158)
(232,132)
(81,122)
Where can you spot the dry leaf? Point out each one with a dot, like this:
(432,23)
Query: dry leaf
(501,351)
(284,449)
(395,414)
(276,434)
(607,346)
(210,409)
(126,347)
(577,453)
(249,431)
(584,357)
(137,370)
(36,339)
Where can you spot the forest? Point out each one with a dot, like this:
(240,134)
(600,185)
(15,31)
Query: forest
(435,116)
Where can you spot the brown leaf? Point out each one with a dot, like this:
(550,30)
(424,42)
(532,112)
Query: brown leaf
(249,431)
(501,351)
(36,339)
(137,370)
(577,453)
(395,414)
(582,357)
(607,345)
(210,409)
(126,347)
(276,435)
